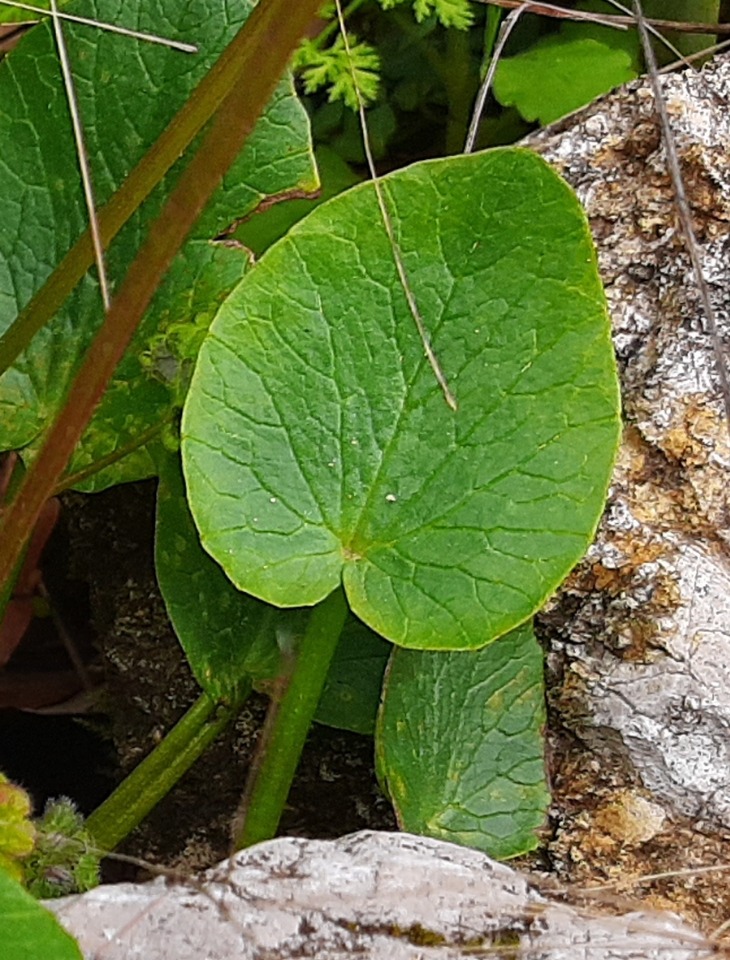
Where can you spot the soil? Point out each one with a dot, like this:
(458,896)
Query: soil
(602,828)
(148,686)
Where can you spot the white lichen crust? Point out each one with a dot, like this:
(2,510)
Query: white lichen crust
(645,620)
(377,895)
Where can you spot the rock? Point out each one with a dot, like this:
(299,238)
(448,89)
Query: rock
(375,895)
(640,635)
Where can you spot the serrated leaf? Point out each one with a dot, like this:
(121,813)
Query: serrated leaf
(559,74)
(351,694)
(459,744)
(128,92)
(317,445)
(228,636)
(28,929)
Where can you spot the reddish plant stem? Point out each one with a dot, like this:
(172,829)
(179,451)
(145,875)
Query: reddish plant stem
(274,28)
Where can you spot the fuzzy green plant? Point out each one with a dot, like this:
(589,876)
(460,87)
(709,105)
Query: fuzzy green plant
(324,64)
(64,859)
(17,832)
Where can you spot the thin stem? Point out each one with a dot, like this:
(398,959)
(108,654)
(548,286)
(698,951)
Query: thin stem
(459,88)
(684,215)
(271,32)
(333,26)
(609,20)
(506,28)
(73,479)
(491,32)
(158,773)
(82,155)
(288,721)
(400,266)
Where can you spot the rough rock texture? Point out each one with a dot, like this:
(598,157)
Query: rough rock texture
(375,895)
(640,634)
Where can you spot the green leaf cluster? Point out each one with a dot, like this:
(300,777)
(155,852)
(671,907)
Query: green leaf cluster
(348,78)
(318,457)
(318,451)
(449,13)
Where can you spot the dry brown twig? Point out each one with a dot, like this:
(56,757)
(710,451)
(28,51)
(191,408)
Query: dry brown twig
(614,20)
(685,215)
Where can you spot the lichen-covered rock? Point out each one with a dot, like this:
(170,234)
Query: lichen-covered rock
(376,895)
(641,632)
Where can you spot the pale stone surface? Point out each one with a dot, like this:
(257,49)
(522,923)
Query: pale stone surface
(645,621)
(375,895)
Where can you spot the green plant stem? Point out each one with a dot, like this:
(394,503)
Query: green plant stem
(227,72)
(158,773)
(333,26)
(73,479)
(461,88)
(491,32)
(287,724)
(272,31)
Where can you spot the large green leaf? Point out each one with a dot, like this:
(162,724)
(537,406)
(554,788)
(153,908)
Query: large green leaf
(29,931)
(231,639)
(459,743)
(128,92)
(228,636)
(318,447)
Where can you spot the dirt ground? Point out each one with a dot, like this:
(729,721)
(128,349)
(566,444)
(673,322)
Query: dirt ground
(603,831)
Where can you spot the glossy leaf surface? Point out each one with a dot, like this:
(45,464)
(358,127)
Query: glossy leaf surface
(317,444)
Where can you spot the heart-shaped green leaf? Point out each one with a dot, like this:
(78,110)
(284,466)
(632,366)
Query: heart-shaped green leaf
(459,743)
(317,444)
(128,92)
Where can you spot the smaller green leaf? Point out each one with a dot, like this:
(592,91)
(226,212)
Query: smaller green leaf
(227,636)
(29,931)
(459,745)
(351,695)
(558,75)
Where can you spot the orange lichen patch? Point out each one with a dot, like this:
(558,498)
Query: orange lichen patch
(694,439)
(629,818)
(606,831)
